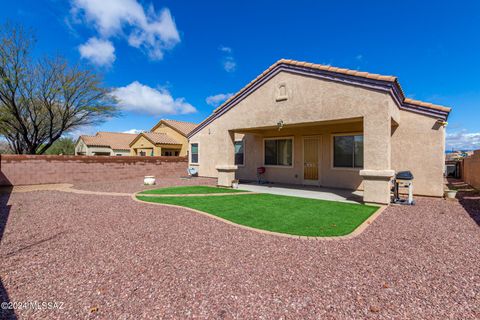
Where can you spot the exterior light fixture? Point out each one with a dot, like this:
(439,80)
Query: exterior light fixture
(280,125)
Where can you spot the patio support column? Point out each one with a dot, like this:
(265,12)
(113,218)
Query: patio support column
(226,170)
(377,172)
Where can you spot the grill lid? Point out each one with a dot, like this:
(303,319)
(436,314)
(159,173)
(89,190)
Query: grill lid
(404,175)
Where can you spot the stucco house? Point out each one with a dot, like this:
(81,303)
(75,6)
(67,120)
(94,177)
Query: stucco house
(315,124)
(166,138)
(104,144)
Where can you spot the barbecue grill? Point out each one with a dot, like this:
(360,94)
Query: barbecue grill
(403,179)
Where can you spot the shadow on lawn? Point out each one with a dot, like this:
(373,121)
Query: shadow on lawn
(468,197)
(7,314)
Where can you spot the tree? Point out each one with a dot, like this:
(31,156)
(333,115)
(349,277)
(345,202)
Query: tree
(44,98)
(65,146)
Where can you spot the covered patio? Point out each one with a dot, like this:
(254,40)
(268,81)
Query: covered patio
(311,192)
(320,160)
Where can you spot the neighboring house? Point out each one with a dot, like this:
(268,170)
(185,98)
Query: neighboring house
(167,138)
(314,124)
(104,144)
(453,163)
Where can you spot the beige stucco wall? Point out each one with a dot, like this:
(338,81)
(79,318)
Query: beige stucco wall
(317,103)
(310,100)
(418,145)
(143,144)
(328,176)
(81,147)
(471,170)
(175,135)
(116,152)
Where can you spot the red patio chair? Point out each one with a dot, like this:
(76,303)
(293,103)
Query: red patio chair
(261,175)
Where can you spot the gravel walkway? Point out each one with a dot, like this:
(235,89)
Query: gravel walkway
(109,257)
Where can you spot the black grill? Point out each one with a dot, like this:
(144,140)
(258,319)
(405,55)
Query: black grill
(404,175)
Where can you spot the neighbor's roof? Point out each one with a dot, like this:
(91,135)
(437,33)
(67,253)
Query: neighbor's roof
(366,79)
(156,138)
(113,140)
(182,127)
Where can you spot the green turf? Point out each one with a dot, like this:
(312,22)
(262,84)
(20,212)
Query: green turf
(190,190)
(292,215)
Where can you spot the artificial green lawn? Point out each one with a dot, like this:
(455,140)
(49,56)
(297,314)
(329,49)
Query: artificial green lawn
(292,215)
(190,190)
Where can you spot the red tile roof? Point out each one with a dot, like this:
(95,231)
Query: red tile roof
(349,72)
(182,127)
(159,138)
(389,82)
(113,140)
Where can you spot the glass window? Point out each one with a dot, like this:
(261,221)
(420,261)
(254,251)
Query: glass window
(348,151)
(278,152)
(239,153)
(194,153)
(358,152)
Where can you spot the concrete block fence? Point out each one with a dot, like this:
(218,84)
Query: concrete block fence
(41,169)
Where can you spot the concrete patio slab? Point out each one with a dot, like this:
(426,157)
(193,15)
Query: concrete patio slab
(312,192)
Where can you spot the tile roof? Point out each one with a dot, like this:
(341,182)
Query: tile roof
(159,138)
(426,105)
(183,127)
(348,72)
(390,82)
(113,140)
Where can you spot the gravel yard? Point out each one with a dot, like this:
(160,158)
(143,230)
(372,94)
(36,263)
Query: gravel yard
(107,257)
(136,185)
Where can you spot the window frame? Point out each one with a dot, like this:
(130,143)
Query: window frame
(191,153)
(332,151)
(279,138)
(242,141)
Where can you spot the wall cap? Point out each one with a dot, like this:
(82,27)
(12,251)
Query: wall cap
(377,173)
(226,167)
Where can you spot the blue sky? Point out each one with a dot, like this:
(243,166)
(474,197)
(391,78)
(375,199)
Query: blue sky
(179,59)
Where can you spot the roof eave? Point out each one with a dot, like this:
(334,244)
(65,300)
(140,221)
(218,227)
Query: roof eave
(378,82)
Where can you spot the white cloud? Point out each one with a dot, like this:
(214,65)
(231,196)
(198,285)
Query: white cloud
(229,64)
(217,99)
(359,57)
(99,52)
(228,61)
(463,140)
(225,49)
(151,31)
(134,131)
(144,99)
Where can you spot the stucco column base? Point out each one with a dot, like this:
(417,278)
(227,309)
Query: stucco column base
(376,185)
(226,174)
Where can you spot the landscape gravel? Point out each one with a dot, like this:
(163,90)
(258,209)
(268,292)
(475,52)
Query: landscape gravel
(106,257)
(135,185)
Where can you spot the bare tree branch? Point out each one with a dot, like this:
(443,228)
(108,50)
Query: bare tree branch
(43,99)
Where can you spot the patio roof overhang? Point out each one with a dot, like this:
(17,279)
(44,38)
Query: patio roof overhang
(287,126)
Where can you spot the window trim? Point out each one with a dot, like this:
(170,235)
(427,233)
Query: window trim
(244,149)
(279,138)
(332,151)
(191,153)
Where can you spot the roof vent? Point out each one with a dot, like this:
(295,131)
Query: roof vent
(282,92)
